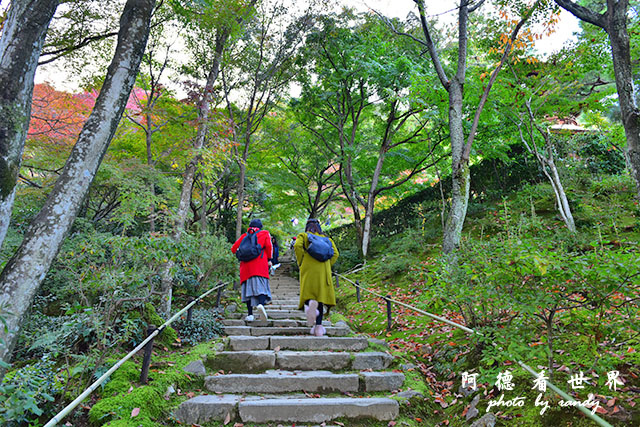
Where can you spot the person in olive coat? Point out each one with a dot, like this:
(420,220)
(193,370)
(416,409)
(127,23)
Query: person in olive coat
(316,283)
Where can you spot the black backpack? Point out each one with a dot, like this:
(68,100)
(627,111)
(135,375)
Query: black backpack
(320,247)
(249,248)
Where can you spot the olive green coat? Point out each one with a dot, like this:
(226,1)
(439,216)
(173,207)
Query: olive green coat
(315,276)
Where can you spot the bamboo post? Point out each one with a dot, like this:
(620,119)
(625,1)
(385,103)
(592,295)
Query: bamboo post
(358,290)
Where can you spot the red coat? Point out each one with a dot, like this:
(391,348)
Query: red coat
(258,266)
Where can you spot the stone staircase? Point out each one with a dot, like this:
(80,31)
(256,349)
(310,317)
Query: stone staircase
(274,372)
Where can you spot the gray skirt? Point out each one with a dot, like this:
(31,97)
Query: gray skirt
(253,287)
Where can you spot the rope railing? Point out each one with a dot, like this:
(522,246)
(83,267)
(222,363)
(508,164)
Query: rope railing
(147,344)
(526,367)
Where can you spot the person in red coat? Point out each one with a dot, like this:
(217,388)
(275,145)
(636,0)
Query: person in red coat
(254,274)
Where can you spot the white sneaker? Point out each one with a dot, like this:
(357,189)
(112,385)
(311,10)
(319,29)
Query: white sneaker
(313,331)
(249,318)
(262,313)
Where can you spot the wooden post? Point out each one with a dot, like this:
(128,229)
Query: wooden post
(190,310)
(146,360)
(337,282)
(389,319)
(358,290)
(219,295)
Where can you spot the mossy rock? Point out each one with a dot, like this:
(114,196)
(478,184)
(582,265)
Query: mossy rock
(168,336)
(117,409)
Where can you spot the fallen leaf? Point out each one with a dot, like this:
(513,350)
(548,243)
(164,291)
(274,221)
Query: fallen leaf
(391,424)
(135,412)
(277,348)
(130,389)
(611,402)
(227,419)
(191,395)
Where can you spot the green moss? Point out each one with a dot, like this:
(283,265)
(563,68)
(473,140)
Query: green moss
(118,408)
(168,336)
(8,177)
(413,380)
(338,317)
(122,379)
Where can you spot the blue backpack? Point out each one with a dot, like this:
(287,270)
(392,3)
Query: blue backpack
(320,247)
(249,248)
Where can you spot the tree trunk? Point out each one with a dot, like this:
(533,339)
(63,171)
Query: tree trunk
(561,196)
(166,284)
(620,52)
(242,164)
(614,22)
(203,210)
(23,34)
(23,274)
(371,198)
(152,187)
(461,177)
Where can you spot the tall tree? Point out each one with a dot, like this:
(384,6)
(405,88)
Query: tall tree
(362,109)
(257,75)
(23,274)
(454,85)
(225,19)
(23,34)
(614,22)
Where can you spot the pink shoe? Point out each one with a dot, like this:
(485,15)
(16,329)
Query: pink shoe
(312,312)
(319,330)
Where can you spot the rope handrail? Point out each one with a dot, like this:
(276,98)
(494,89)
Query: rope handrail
(71,406)
(526,367)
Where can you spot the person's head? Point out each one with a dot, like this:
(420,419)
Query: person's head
(255,223)
(313,226)
(274,240)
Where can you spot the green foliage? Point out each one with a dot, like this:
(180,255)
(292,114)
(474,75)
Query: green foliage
(613,184)
(28,393)
(168,336)
(205,324)
(600,156)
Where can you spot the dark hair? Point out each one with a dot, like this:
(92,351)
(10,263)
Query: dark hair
(313,225)
(256,223)
(275,239)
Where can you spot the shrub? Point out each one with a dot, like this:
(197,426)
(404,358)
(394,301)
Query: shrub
(205,325)
(28,393)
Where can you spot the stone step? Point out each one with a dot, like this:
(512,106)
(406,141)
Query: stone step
(270,330)
(272,314)
(290,307)
(285,314)
(317,410)
(283,382)
(243,343)
(275,323)
(262,360)
(205,408)
(295,409)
